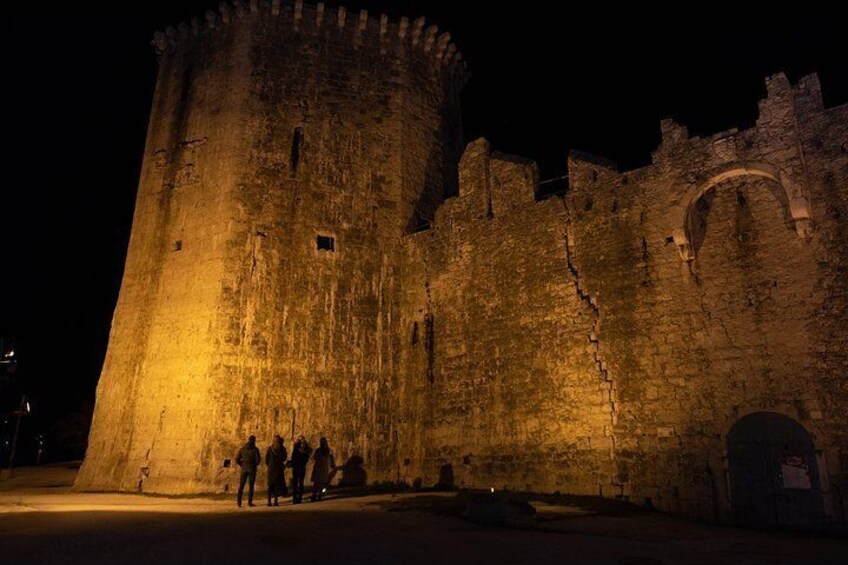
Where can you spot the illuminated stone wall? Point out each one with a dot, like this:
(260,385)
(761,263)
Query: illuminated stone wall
(715,269)
(272,125)
(600,342)
(606,341)
(501,366)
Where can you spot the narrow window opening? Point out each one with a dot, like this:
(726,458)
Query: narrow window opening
(415,333)
(177,245)
(296,147)
(740,198)
(326,243)
(430,345)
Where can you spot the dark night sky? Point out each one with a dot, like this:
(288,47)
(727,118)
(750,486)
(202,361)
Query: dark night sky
(78,80)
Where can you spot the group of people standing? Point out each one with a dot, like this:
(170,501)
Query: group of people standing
(276,460)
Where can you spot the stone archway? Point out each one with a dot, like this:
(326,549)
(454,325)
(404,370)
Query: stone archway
(796,203)
(774,477)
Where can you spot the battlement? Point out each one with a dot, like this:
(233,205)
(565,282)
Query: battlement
(363,29)
(783,105)
(791,116)
(792,125)
(491,184)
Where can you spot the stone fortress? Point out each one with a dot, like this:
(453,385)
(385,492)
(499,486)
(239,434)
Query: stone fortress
(314,251)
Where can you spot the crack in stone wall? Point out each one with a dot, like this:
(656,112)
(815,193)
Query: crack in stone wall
(594,332)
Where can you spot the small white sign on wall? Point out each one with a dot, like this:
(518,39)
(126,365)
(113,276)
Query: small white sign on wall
(795,473)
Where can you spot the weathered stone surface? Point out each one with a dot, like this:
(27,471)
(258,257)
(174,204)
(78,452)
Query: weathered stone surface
(266,133)
(607,341)
(752,320)
(601,342)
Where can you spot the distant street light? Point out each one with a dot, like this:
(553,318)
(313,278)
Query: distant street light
(8,358)
(8,361)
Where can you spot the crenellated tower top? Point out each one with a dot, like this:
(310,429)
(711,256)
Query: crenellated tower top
(363,30)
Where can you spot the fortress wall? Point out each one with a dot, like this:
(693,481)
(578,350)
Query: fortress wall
(501,360)
(824,138)
(608,341)
(700,334)
(153,403)
(601,342)
(330,126)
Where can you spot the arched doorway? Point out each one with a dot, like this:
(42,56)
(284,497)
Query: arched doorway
(774,477)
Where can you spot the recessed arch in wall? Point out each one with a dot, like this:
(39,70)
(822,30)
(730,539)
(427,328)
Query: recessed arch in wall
(683,214)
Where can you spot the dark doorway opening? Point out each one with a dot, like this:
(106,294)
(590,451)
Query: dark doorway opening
(774,476)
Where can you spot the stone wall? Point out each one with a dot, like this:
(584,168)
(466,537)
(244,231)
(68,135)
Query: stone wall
(290,149)
(717,312)
(499,347)
(154,397)
(609,340)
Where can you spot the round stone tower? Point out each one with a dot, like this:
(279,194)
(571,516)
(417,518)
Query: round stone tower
(290,148)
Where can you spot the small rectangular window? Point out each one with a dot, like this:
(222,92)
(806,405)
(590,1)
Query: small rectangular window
(296,146)
(326,243)
(177,245)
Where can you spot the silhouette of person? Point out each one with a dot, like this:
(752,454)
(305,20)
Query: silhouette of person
(248,459)
(353,473)
(324,464)
(275,459)
(300,458)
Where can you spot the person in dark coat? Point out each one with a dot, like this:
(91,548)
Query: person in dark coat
(248,459)
(275,459)
(300,458)
(324,464)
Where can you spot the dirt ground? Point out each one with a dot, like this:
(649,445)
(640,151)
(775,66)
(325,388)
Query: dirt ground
(41,521)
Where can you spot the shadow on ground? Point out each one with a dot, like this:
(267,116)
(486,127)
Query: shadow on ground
(549,507)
